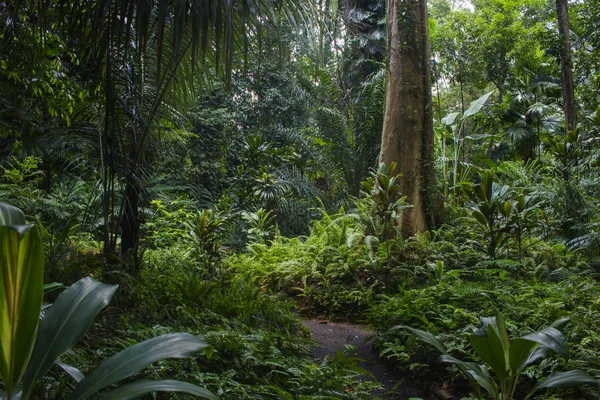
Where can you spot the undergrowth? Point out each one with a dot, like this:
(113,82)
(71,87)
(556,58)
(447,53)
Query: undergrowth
(260,349)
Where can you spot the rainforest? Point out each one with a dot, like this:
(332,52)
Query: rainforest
(286,199)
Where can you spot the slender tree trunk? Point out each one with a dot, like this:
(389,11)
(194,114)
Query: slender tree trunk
(130,224)
(408,125)
(562,12)
(107,145)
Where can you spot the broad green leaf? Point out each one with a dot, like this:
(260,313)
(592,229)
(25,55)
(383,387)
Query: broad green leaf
(480,217)
(424,336)
(478,372)
(10,215)
(487,185)
(487,210)
(520,352)
(485,380)
(507,208)
(140,388)
(551,338)
(560,323)
(64,323)
(489,348)
(537,354)
(134,359)
(21,292)
(503,335)
(521,202)
(475,106)
(557,380)
(450,118)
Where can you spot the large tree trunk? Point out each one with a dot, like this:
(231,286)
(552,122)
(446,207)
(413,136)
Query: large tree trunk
(408,126)
(562,12)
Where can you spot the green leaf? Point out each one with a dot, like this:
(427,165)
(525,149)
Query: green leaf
(478,215)
(64,323)
(140,388)
(520,352)
(10,215)
(424,336)
(477,372)
(450,118)
(432,26)
(21,292)
(487,186)
(537,354)
(485,380)
(502,333)
(557,380)
(489,348)
(50,287)
(560,323)
(551,338)
(596,117)
(475,106)
(507,208)
(134,359)
(72,371)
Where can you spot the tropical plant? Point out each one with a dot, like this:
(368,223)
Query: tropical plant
(437,272)
(457,128)
(260,225)
(522,210)
(205,230)
(136,57)
(490,212)
(531,111)
(385,201)
(30,346)
(507,358)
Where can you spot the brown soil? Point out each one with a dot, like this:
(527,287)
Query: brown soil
(333,336)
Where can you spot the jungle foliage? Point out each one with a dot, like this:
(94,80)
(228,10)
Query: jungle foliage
(220,165)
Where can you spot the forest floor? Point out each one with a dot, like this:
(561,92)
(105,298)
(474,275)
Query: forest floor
(334,336)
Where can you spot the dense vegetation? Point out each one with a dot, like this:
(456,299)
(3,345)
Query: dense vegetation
(225,175)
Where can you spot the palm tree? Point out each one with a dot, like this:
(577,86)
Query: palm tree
(531,111)
(137,56)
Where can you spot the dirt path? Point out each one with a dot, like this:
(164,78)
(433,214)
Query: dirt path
(333,336)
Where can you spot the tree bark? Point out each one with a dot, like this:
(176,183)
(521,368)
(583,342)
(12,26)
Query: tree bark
(562,12)
(408,122)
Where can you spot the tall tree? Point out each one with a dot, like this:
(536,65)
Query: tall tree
(408,123)
(562,11)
